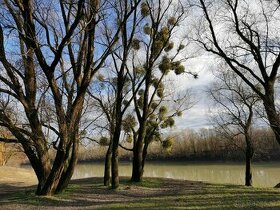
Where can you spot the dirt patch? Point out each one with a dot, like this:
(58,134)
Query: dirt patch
(17,188)
(14,180)
(17,176)
(90,194)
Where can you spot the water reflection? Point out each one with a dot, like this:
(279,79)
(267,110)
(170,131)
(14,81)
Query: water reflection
(264,174)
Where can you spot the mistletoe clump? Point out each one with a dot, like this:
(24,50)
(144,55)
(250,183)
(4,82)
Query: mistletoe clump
(165,65)
(128,123)
(147,29)
(181,47)
(140,102)
(145,10)
(167,144)
(162,112)
(169,47)
(161,41)
(172,21)
(157,47)
(135,44)
(104,141)
(139,70)
(163,34)
(169,122)
(100,77)
(129,138)
(179,113)
(154,105)
(160,90)
(155,82)
(178,67)
(179,70)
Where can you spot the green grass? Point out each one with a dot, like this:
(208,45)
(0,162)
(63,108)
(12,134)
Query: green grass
(146,183)
(211,197)
(152,193)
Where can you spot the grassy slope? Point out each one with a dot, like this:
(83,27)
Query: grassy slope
(153,193)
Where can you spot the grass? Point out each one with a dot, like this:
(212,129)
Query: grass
(152,193)
(147,183)
(211,197)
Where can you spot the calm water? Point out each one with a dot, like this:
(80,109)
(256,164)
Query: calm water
(264,174)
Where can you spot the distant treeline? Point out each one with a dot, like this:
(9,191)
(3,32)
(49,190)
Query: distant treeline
(200,145)
(192,145)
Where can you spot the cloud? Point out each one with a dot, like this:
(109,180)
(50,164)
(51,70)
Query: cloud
(197,117)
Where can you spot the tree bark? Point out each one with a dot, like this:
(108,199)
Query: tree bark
(144,156)
(115,148)
(42,171)
(137,170)
(272,114)
(67,175)
(108,165)
(249,152)
(115,160)
(53,179)
(248,173)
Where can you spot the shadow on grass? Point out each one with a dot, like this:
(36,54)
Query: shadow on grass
(153,193)
(14,192)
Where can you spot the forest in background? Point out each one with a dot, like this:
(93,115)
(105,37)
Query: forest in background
(188,145)
(199,145)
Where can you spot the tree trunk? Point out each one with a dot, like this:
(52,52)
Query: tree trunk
(274,120)
(145,152)
(67,175)
(137,170)
(53,179)
(115,157)
(272,114)
(108,165)
(248,173)
(117,128)
(270,109)
(41,166)
(249,153)
(42,176)
(115,165)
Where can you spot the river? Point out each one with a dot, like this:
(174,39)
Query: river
(265,174)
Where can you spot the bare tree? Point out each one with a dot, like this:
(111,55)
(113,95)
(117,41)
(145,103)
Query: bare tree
(243,34)
(58,49)
(103,93)
(234,110)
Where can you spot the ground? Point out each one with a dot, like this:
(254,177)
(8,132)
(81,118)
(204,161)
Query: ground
(17,192)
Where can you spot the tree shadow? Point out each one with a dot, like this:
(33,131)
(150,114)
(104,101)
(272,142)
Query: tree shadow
(151,194)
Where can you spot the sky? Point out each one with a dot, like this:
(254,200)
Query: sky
(198,116)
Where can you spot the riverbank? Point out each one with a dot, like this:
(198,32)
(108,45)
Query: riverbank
(153,193)
(265,174)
